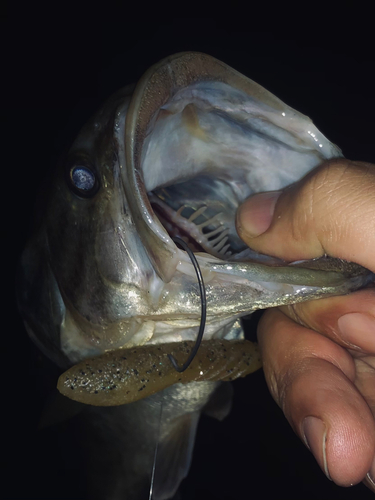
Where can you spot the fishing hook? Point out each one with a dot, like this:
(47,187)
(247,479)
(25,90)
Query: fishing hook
(202,292)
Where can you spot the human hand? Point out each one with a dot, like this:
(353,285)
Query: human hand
(319,356)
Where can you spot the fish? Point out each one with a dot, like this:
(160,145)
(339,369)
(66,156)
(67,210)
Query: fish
(107,294)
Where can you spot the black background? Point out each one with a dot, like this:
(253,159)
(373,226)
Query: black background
(56,76)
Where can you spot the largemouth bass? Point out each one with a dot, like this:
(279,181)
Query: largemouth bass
(106,293)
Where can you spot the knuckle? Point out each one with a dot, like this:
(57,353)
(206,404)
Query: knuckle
(278,384)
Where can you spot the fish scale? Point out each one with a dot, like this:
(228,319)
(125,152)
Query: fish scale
(102,272)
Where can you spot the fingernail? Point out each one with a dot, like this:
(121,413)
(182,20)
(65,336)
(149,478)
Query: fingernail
(371,481)
(315,434)
(358,328)
(255,215)
(370,476)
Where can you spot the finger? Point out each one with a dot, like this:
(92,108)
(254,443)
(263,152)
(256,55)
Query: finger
(312,379)
(348,320)
(330,211)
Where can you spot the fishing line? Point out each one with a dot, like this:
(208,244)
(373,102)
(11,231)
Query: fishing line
(202,292)
(156,450)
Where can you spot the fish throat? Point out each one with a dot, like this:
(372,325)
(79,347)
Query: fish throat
(201,211)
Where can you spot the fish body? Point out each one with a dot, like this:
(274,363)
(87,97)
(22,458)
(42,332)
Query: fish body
(123,444)
(173,156)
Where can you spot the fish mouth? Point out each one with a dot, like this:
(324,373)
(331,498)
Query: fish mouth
(158,211)
(199,138)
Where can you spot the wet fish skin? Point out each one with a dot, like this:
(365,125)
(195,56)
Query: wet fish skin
(119,442)
(101,273)
(106,243)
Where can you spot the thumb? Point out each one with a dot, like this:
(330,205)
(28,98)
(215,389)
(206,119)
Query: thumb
(330,211)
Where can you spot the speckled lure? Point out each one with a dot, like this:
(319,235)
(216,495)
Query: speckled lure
(127,375)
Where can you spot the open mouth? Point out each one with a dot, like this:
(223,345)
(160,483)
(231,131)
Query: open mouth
(200,139)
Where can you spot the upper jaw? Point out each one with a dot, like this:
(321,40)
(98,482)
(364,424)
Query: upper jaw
(227,128)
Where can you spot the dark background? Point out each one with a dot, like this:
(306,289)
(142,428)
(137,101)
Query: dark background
(58,75)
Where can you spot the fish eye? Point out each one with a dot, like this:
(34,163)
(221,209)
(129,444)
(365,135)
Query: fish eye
(83,181)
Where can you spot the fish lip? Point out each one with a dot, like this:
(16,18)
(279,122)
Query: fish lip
(154,89)
(159,246)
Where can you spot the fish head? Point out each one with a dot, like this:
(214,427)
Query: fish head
(174,156)
(97,261)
